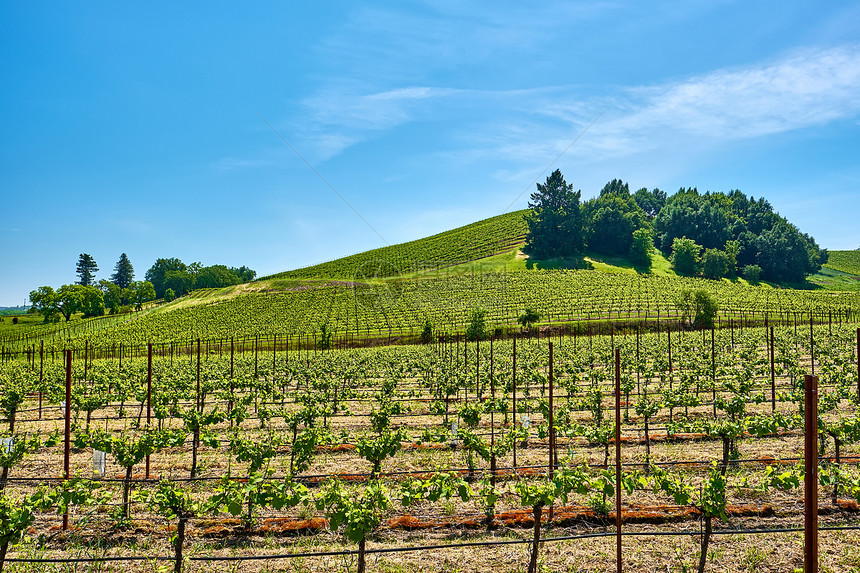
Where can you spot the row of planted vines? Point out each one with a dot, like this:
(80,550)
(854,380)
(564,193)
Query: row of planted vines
(487,456)
(387,309)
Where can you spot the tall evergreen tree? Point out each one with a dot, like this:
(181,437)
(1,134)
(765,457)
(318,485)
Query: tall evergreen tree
(86,269)
(123,272)
(555,222)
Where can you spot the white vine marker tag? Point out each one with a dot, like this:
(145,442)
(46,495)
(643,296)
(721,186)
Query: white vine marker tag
(98,463)
(526,422)
(453,434)
(6,444)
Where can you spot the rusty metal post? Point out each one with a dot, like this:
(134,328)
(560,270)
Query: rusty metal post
(68,427)
(618,456)
(810,455)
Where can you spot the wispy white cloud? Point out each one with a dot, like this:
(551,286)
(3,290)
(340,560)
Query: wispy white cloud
(807,88)
(337,119)
(804,89)
(234,163)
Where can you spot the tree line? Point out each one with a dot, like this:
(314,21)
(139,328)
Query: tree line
(710,234)
(167,279)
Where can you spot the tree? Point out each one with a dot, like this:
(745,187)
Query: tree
(651,202)
(529,318)
(244,274)
(685,256)
(611,218)
(182,282)
(143,292)
(426,333)
(158,271)
(216,276)
(784,254)
(733,249)
(555,223)
(112,295)
(68,300)
(169,295)
(91,301)
(43,301)
(477,328)
(751,273)
(715,264)
(123,272)
(86,269)
(642,247)
(697,307)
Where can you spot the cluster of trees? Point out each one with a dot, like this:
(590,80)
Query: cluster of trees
(737,232)
(172,278)
(711,234)
(167,278)
(616,222)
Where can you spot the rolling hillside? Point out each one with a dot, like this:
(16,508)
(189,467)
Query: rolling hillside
(844,261)
(441,279)
(476,241)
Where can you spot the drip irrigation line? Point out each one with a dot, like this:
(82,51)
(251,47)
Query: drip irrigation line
(477,471)
(409,549)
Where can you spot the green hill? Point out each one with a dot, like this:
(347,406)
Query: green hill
(433,280)
(476,241)
(845,261)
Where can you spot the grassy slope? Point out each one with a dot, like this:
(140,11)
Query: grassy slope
(844,261)
(476,241)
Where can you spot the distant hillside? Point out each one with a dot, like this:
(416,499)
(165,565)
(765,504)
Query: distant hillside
(478,240)
(845,261)
(12,310)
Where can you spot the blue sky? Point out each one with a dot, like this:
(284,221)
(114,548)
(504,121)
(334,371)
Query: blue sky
(145,128)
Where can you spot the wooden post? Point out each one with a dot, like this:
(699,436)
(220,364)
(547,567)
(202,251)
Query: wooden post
(41,375)
(772,375)
(810,481)
(618,457)
(148,395)
(811,345)
(198,376)
(713,372)
(551,432)
(478,393)
(68,427)
(514,382)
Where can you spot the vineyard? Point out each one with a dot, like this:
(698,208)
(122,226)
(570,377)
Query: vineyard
(469,243)
(496,455)
(401,307)
(845,261)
